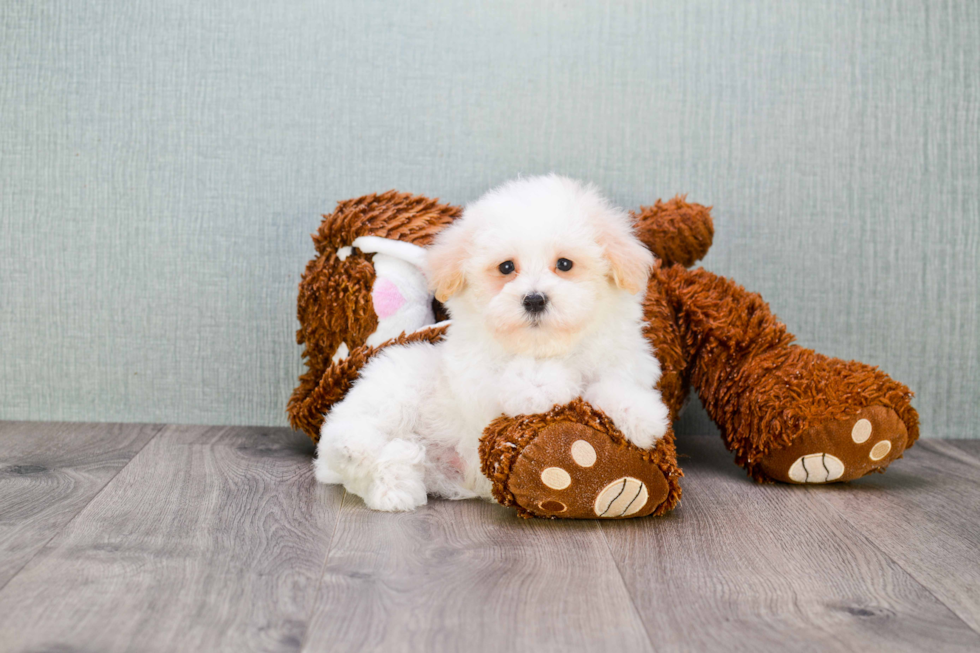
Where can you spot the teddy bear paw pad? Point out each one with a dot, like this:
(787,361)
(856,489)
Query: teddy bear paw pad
(841,450)
(570,470)
(816,468)
(621,498)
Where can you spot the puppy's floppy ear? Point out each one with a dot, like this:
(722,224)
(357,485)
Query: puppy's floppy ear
(630,260)
(445,259)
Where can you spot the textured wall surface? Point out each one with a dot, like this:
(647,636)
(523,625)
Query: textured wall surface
(163,163)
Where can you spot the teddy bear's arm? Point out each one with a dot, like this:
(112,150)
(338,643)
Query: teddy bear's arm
(676,231)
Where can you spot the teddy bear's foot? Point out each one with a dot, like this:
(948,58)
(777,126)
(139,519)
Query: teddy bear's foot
(572,471)
(572,463)
(842,449)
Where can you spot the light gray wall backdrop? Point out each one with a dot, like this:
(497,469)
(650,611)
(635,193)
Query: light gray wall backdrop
(163,163)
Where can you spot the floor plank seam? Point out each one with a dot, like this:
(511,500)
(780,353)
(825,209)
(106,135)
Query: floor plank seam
(161,428)
(864,536)
(622,581)
(323,570)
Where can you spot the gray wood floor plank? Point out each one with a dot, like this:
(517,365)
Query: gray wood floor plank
(216,539)
(49,472)
(209,540)
(925,514)
(741,566)
(470,576)
(971,447)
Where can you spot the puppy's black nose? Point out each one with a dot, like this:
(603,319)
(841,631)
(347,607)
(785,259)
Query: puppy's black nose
(535,302)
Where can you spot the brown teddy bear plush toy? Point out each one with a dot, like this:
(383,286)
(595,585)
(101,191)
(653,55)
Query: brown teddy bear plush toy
(789,413)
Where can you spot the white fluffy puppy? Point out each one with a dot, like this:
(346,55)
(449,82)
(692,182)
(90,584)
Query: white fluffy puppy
(543,279)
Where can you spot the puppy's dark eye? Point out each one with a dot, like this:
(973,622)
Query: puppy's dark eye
(564,264)
(506,267)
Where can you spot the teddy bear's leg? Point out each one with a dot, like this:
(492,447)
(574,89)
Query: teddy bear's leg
(789,413)
(573,463)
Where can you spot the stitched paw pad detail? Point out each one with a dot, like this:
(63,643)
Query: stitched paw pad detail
(841,450)
(622,498)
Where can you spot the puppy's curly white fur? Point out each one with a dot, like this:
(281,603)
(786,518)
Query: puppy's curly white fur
(543,279)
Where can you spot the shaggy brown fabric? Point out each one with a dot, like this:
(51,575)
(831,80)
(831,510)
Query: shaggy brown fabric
(400,216)
(506,439)
(762,390)
(660,328)
(334,303)
(676,231)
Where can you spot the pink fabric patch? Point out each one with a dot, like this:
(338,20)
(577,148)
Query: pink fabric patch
(387,299)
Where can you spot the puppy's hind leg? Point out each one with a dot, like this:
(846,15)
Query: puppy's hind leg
(389,474)
(322,469)
(399,482)
(368,441)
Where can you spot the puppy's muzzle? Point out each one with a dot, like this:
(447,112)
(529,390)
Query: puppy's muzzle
(535,303)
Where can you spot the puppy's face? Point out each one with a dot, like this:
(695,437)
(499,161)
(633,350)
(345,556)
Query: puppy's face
(538,261)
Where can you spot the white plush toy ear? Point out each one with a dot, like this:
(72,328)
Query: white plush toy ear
(445,260)
(400,292)
(395,248)
(629,259)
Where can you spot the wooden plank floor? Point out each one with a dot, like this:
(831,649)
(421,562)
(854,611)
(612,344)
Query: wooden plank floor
(150,538)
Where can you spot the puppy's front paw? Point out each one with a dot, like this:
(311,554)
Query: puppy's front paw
(643,424)
(641,415)
(399,481)
(524,401)
(528,386)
